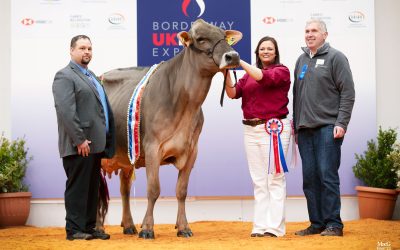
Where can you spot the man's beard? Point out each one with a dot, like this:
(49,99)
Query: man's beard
(85,62)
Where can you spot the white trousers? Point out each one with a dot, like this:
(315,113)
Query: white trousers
(269,189)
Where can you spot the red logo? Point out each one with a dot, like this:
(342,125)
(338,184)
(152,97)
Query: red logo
(200,3)
(27,21)
(269,20)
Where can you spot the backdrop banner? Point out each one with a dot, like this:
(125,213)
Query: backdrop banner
(160,21)
(127,33)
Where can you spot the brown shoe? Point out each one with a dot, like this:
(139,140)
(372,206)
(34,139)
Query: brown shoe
(309,231)
(256,235)
(268,234)
(332,231)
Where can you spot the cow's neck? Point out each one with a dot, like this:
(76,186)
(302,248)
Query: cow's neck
(192,79)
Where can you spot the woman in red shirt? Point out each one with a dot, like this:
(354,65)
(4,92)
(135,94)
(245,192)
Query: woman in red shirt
(264,92)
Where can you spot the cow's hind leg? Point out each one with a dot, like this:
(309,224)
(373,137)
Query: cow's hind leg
(181,193)
(125,189)
(153,192)
(102,206)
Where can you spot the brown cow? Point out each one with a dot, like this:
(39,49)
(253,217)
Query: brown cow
(171,117)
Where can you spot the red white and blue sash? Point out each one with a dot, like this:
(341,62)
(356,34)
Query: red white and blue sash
(133,117)
(274,128)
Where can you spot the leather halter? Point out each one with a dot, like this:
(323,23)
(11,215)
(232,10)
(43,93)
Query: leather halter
(209,52)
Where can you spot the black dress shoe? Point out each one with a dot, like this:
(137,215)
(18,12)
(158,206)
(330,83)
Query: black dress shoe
(79,236)
(100,235)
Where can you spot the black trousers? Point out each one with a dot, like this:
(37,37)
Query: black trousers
(81,192)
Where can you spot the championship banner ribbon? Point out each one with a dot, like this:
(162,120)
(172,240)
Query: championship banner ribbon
(133,117)
(274,128)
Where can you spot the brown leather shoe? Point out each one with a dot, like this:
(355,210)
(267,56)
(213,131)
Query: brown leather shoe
(256,235)
(268,234)
(332,231)
(80,236)
(309,231)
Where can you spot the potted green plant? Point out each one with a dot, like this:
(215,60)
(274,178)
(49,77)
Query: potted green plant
(378,168)
(14,195)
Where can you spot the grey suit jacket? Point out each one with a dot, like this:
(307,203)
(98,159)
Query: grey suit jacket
(80,114)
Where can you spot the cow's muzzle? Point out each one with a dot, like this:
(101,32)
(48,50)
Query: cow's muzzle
(229,60)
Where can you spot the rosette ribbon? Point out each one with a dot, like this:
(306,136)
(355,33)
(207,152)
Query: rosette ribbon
(274,128)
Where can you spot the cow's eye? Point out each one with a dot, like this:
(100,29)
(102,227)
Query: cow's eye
(201,40)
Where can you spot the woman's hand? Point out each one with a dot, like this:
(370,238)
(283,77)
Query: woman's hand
(229,86)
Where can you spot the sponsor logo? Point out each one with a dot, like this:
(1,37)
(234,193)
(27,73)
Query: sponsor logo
(116,19)
(79,21)
(27,21)
(356,17)
(50,2)
(30,21)
(200,3)
(291,1)
(94,1)
(273,20)
(321,16)
(269,20)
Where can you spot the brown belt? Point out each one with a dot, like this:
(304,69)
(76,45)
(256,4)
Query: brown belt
(254,123)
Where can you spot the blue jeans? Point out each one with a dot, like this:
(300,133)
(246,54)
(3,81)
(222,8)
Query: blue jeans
(320,155)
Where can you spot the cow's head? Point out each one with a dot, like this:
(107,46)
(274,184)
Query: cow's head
(214,42)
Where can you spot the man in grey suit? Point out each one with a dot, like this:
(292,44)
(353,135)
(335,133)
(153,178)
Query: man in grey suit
(86,134)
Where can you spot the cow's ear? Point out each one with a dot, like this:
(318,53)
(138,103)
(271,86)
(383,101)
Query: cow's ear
(233,36)
(184,38)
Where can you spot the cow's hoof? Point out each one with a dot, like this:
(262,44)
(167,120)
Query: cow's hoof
(130,230)
(184,233)
(146,234)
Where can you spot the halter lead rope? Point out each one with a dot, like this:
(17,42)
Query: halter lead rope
(221,101)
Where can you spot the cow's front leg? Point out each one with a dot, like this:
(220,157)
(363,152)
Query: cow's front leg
(181,193)
(153,192)
(125,189)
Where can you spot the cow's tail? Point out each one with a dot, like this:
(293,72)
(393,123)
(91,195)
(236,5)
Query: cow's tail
(104,198)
